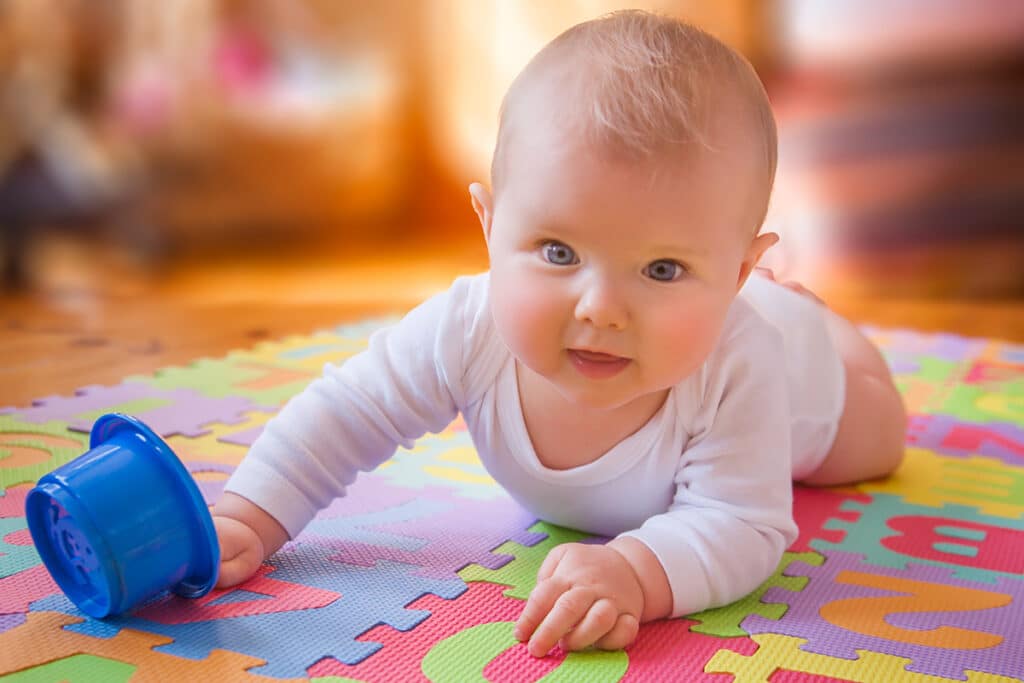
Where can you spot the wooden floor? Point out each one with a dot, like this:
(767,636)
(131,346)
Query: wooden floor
(96,318)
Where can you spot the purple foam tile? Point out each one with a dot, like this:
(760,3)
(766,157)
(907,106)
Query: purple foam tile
(9,621)
(85,400)
(246,437)
(428,528)
(948,436)
(903,366)
(211,489)
(182,411)
(941,345)
(835,580)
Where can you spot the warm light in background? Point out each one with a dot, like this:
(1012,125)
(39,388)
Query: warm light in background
(477,48)
(195,122)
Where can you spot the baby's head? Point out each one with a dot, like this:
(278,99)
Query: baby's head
(644,89)
(632,172)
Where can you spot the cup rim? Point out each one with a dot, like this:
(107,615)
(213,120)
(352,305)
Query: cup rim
(207,547)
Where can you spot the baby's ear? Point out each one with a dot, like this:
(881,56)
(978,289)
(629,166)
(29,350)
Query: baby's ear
(758,246)
(482,204)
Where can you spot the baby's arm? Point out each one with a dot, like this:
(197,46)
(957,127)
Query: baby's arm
(349,420)
(732,514)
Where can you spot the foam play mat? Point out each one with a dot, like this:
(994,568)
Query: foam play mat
(421,571)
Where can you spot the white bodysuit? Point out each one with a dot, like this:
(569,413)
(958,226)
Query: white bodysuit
(705,484)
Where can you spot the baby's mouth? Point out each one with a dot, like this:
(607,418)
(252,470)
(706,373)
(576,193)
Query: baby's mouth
(596,356)
(597,365)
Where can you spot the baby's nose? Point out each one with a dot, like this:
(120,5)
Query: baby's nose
(602,306)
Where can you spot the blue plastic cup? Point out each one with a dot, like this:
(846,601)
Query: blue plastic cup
(123,522)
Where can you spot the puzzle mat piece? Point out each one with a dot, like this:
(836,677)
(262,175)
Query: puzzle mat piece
(412,656)
(309,353)
(969,402)
(247,436)
(368,596)
(777,654)
(447,459)
(470,638)
(929,370)
(261,382)
(29,450)
(261,594)
(520,575)
(891,532)
(942,345)
(996,375)
(925,478)
(943,624)
(212,457)
(22,576)
(977,404)
(226,444)
(20,650)
(210,478)
(178,411)
(920,397)
(20,590)
(427,528)
(75,669)
(12,501)
(813,507)
(1013,353)
(910,365)
(725,621)
(16,550)
(9,621)
(948,436)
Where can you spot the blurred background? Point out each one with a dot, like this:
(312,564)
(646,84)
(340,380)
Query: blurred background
(247,150)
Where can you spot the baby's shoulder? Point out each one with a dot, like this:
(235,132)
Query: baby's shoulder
(482,352)
(746,332)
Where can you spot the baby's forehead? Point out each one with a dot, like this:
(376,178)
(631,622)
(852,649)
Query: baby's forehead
(632,113)
(637,87)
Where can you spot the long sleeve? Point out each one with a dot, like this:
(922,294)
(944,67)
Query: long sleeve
(355,415)
(731,516)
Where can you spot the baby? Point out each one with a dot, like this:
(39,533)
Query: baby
(619,369)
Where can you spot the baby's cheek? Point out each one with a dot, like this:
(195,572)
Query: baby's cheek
(686,340)
(527,319)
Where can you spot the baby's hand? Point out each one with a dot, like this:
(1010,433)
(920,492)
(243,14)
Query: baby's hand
(241,551)
(585,595)
(247,536)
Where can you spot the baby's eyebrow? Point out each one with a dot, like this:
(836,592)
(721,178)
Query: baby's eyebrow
(679,249)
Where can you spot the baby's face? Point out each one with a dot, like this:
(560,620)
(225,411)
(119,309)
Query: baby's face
(608,281)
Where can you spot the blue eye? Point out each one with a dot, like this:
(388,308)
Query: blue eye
(664,270)
(559,254)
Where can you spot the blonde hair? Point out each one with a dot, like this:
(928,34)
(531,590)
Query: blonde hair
(647,86)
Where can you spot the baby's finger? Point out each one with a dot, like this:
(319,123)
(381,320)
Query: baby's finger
(765,272)
(550,563)
(599,621)
(238,569)
(622,634)
(540,602)
(570,607)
